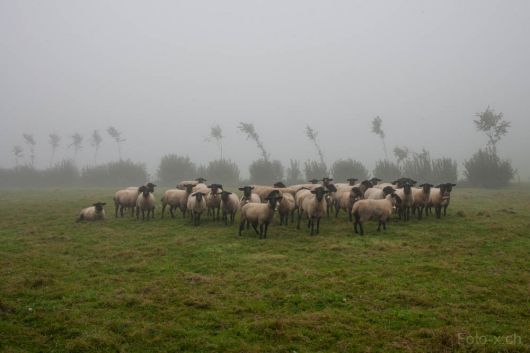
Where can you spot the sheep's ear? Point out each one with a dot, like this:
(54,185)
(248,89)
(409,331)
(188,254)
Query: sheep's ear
(453,184)
(102,203)
(251,188)
(313,192)
(241,189)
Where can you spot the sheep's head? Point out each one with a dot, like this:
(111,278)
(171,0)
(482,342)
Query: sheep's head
(375,180)
(279,184)
(247,190)
(200,180)
(99,206)
(314,181)
(274,199)
(352,181)
(326,180)
(331,187)
(215,188)
(367,184)
(188,188)
(198,195)
(396,199)
(151,187)
(319,193)
(144,190)
(225,195)
(407,188)
(426,187)
(388,190)
(356,194)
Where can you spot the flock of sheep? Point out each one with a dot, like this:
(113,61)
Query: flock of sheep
(364,201)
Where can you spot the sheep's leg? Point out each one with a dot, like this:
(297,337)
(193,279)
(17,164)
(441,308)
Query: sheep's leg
(232,217)
(292,216)
(171,211)
(337,210)
(199,219)
(241,227)
(361,228)
(266,228)
(379,226)
(438,211)
(310,225)
(420,212)
(445,210)
(318,225)
(299,219)
(261,231)
(121,211)
(254,225)
(225,218)
(384,224)
(350,217)
(116,206)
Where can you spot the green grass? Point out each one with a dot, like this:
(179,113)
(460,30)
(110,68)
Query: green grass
(129,286)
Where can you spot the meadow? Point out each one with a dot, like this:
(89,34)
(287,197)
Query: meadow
(459,284)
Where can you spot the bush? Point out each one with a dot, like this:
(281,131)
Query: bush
(174,168)
(486,169)
(222,171)
(64,173)
(387,170)
(444,170)
(265,172)
(315,170)
(348,168)
(418,167)
(122,173)
(294,173)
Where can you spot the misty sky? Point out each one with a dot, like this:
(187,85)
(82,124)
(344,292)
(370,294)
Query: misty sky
(163,72)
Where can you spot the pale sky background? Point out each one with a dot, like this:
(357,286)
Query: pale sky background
(163,72)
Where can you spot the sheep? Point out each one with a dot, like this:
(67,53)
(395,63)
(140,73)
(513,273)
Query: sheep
(229,205)
(447,193)
(213,200)
(260,214)
(313,207)
(286,208)
(197,205)
(92,213)
(145,202)
(380,210)
(439,198)
(351,182)
(375,180)
(374,193)
(331,189)
(407,201)
(364,185)
(248,196)
(126,198)
(346,199)
(420,198)
(299,198)
(176,198)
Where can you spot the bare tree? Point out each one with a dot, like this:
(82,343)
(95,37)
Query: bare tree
(312,136)
(18,153)
(77,143)
(116,135)
(30,141)
(377,128)
(95,141)
(216,133)
(54,141)
(401,154)
(493,126)
(250,131)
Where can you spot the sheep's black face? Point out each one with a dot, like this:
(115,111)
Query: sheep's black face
(189,188)
(374,181)
(331,188)
(199,196)
(247,191)
(367,184)
(99,206)
(388,190)
(407,188)
(279,185)
(319,193)
(426,187)
(314,181)
(215,188)
(151,187)
(397,199)
(224,195)
(351,181)
(144,190)
(200,180)
(326,180)
(356,194)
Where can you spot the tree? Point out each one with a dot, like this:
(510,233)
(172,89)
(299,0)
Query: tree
(348,168)
(293,173)
(77,143)
(18,153)
(30,141)
(216,133)
(95,141)
(401,154)
(492,125)
(174,168)
(54,142)
(265,172)
(386,170)
(116,135)
(486,169)
(377,128)
(315,170)
(250,131)
(312,136)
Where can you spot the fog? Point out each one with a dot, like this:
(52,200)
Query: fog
(164,72)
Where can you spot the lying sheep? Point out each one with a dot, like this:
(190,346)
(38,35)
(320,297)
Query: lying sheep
(286,209)
(229,206)
(145,202)
(260,214)
(380,210)
(92,213)
(407,201)
(197,205)
(313,207)
(420,198)
(176,198)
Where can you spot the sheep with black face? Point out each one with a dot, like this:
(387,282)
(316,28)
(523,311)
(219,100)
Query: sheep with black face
(92,213)
(378,210)
(229,206)
(145,202)
(260,214)
(313,208)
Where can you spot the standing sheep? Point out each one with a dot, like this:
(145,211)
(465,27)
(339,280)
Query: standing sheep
(213,200)
(260,214)
(421,198)
(407,201)
(380,210)
(286,208)
(313,207)
(176,198)
(145,202)
(197,205)
(229,205)
(346,199)
(92,213)
(248,196)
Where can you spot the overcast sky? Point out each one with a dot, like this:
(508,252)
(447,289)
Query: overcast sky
(164,72)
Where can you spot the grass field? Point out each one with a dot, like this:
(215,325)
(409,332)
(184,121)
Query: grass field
(460,284)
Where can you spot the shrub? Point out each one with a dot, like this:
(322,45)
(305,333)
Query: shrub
(387,170)
(348,168)
(444,170)
(265,172)
(486,169)
(294,173)
(64,173)
(122,173)
(315,170)
(174,168)
(418,167)
(222,171)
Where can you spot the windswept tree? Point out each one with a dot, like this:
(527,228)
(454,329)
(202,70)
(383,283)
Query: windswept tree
(77,143)
(250,131)
(401,153)
(18,153)
(312,136)
(493,125)
(30,142)
(95,141)
(216,134)
(54,141)
(116,135)
(377,128)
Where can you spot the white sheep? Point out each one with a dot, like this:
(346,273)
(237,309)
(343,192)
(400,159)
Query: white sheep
(380,210)
(407,201)
(197,205)
(439,198)
(92,213)
(286,208)
(421,198)
(248,196)
(126,198)
(229,206)
(313,207)
(213,200)
(145,202)
(176,198)
(260,214)
(345,200)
